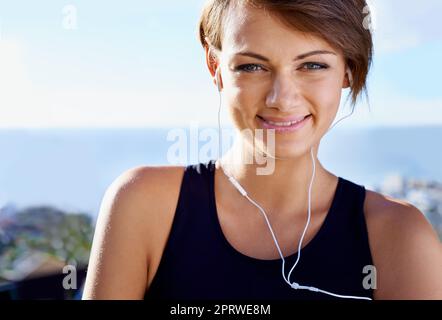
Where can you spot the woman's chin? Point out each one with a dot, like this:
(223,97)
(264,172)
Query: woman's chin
(290,151)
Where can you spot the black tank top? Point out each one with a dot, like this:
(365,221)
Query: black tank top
(199,263)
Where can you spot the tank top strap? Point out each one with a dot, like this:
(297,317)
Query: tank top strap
(349,222)
(193,205)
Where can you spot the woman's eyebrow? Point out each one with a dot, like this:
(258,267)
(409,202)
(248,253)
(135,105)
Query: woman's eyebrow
(299,57)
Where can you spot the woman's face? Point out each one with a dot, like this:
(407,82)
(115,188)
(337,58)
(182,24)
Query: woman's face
(288,81)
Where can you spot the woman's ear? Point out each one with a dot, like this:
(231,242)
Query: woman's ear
(212,62)
(348,79)
(211,59)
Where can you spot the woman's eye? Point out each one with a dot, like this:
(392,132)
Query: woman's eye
(314,66)
(251,68)
(248,68)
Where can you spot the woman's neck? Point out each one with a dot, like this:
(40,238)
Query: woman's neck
(281,186)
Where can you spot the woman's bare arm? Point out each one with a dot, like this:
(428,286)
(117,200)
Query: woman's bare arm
(407,253)
(118,265)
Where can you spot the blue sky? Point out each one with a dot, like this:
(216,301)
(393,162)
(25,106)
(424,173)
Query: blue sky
(139,64)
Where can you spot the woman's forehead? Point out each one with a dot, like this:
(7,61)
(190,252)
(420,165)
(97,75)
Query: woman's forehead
(248,28)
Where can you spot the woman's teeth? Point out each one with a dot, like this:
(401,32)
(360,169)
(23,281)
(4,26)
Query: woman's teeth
(283,124)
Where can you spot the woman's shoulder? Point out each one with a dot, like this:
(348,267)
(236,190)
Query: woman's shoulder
(145,188)
(385,212)
(130,224)
(149,194)
(381,206)
(406,249)
(146,174)
(138,180)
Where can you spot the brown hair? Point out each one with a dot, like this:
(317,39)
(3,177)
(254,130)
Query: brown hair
(339,22)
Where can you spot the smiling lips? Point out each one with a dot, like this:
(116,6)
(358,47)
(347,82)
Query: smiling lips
(284,124)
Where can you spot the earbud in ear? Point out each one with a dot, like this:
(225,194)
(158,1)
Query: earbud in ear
(217,79)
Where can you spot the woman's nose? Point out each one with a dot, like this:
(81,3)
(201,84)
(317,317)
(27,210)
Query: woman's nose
(284,94)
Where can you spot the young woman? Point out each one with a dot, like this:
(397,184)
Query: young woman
(221,230)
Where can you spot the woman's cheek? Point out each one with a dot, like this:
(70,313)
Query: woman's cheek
(330,113)
(326,94)
(238,105)
(243,99)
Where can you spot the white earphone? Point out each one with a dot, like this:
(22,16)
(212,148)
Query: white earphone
(236,184)
(217,79)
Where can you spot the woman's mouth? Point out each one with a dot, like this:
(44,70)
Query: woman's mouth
(288,126)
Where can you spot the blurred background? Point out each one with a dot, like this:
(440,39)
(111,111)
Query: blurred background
(89,89)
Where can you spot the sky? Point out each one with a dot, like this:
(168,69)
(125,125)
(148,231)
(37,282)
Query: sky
(138,63)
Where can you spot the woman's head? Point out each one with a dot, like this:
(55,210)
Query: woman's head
(280,59)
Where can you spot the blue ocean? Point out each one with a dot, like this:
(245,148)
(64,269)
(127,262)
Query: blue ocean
(71,168)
